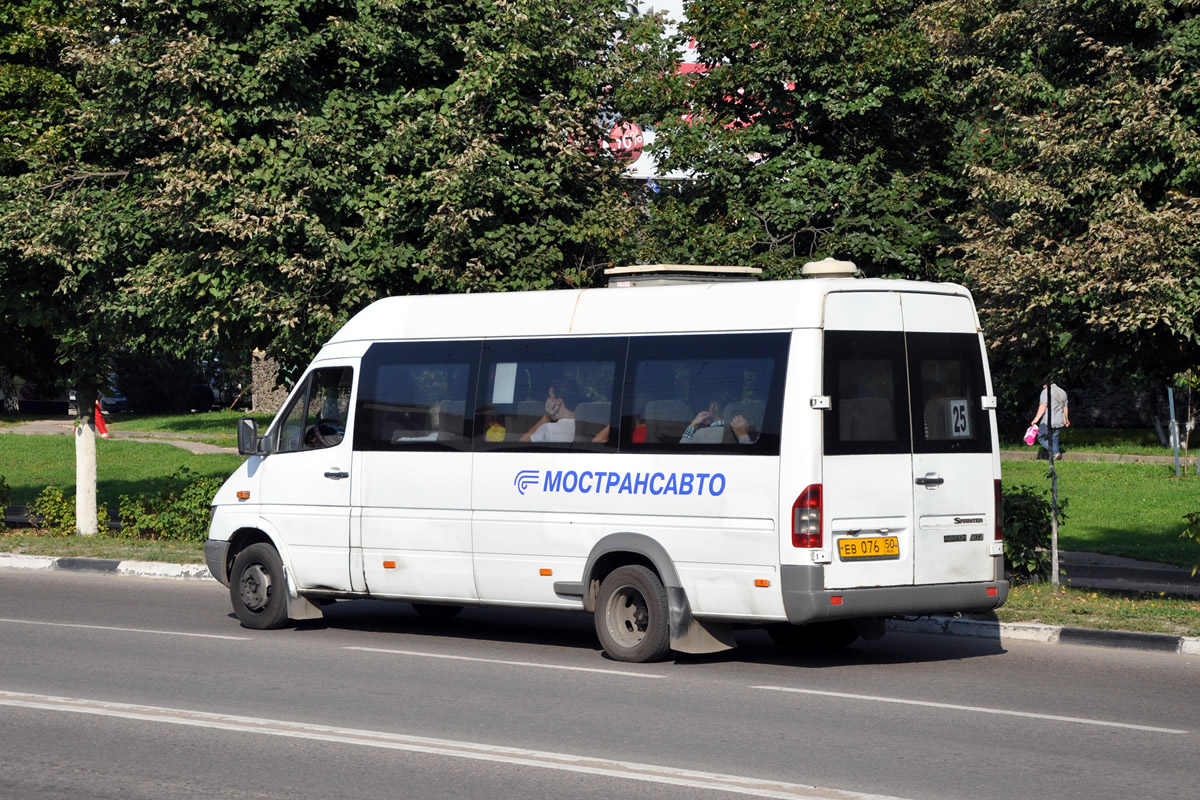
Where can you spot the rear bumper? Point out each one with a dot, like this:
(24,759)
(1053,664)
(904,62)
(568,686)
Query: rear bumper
(805,598)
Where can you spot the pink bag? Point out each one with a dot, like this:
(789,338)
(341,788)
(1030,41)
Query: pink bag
(1031,434)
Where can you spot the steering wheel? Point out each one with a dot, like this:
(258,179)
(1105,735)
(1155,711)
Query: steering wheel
(325,432)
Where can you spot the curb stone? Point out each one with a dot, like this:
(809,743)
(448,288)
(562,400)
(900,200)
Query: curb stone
(1048,634)
(143,569)
(950,626)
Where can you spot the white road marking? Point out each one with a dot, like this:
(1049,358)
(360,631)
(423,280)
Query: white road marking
(976,709)
(122,630)
(565,762)
(507,663)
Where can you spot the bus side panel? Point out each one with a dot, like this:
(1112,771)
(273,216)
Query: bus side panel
(416,524)
(800,451)
(541,511)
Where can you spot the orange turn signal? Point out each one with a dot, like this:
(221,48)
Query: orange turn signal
(243,495)
(389,565)
(545,572)
(762,583)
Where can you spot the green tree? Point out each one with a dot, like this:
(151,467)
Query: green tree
(36,94)
(1081,233)
(814,132)
(248,173)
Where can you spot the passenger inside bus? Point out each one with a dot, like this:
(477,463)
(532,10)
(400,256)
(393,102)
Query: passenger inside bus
(709,426)
(558,423)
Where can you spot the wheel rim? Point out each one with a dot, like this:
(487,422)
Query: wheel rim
(255,588)
(627,616)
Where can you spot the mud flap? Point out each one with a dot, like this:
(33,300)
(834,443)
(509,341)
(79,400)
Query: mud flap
(690,635)
(299,608)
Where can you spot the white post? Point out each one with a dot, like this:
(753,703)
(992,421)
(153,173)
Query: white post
(85,473)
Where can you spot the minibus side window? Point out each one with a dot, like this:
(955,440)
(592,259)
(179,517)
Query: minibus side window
(556,394)
(946,374)
(318,415)
(705,393)
(867,382)
(416,396)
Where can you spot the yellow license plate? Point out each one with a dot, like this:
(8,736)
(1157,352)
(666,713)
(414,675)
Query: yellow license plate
(869,547)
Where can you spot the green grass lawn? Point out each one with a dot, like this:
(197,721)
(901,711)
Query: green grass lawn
(1133,510)
(209,422)
(30,463)
(1084,608)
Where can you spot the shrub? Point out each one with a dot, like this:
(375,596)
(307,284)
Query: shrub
(55,512)
(173,513)
(1027,533)
(1192,531)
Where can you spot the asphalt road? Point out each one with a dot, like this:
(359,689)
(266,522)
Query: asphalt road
(120,687)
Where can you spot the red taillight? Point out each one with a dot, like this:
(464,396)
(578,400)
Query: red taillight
(999,513)
(806,518)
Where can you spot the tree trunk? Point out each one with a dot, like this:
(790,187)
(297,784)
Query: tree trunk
(85,462)
(8,393)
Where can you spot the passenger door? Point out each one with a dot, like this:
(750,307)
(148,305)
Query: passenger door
(953,472)
(867,465)
(305,482)
(413,455)
(907,470)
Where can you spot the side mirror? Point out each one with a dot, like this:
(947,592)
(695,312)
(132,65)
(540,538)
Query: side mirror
(247,436)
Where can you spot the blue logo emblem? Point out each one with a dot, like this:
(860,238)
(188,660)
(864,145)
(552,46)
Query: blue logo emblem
(696,484)
(525,478)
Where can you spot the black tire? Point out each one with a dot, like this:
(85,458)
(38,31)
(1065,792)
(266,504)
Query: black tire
(435,611)
(816,637)
(632,618)
(258,588)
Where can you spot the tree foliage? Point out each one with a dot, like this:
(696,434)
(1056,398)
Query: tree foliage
(249,173)
(815,130)
(36,94)
(211,176)
(1081,233)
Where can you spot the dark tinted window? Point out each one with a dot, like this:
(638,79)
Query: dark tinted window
(552,393)
(866,379)
(946,375)
(704,393)
(416,396)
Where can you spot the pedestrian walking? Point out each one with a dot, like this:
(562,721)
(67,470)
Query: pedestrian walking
(1052,416)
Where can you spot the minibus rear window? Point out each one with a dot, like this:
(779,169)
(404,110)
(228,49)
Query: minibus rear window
(866,379)
(946,375)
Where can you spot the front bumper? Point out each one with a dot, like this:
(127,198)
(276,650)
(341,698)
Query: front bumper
(215,554)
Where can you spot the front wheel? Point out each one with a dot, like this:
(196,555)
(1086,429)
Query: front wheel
(258,588)
(632,616)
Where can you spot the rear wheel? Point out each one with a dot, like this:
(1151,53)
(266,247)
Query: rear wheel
(434,611)
(632,616)
(258,588)
(817,637)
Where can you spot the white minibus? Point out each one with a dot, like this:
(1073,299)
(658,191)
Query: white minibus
(809,456)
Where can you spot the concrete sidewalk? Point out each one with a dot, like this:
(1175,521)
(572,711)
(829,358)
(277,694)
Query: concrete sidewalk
(65,427)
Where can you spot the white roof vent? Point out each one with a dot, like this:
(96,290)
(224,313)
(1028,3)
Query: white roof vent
(831,268)
(665,274)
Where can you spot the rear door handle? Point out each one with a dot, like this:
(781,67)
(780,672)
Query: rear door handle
(336,474)
(930,480)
